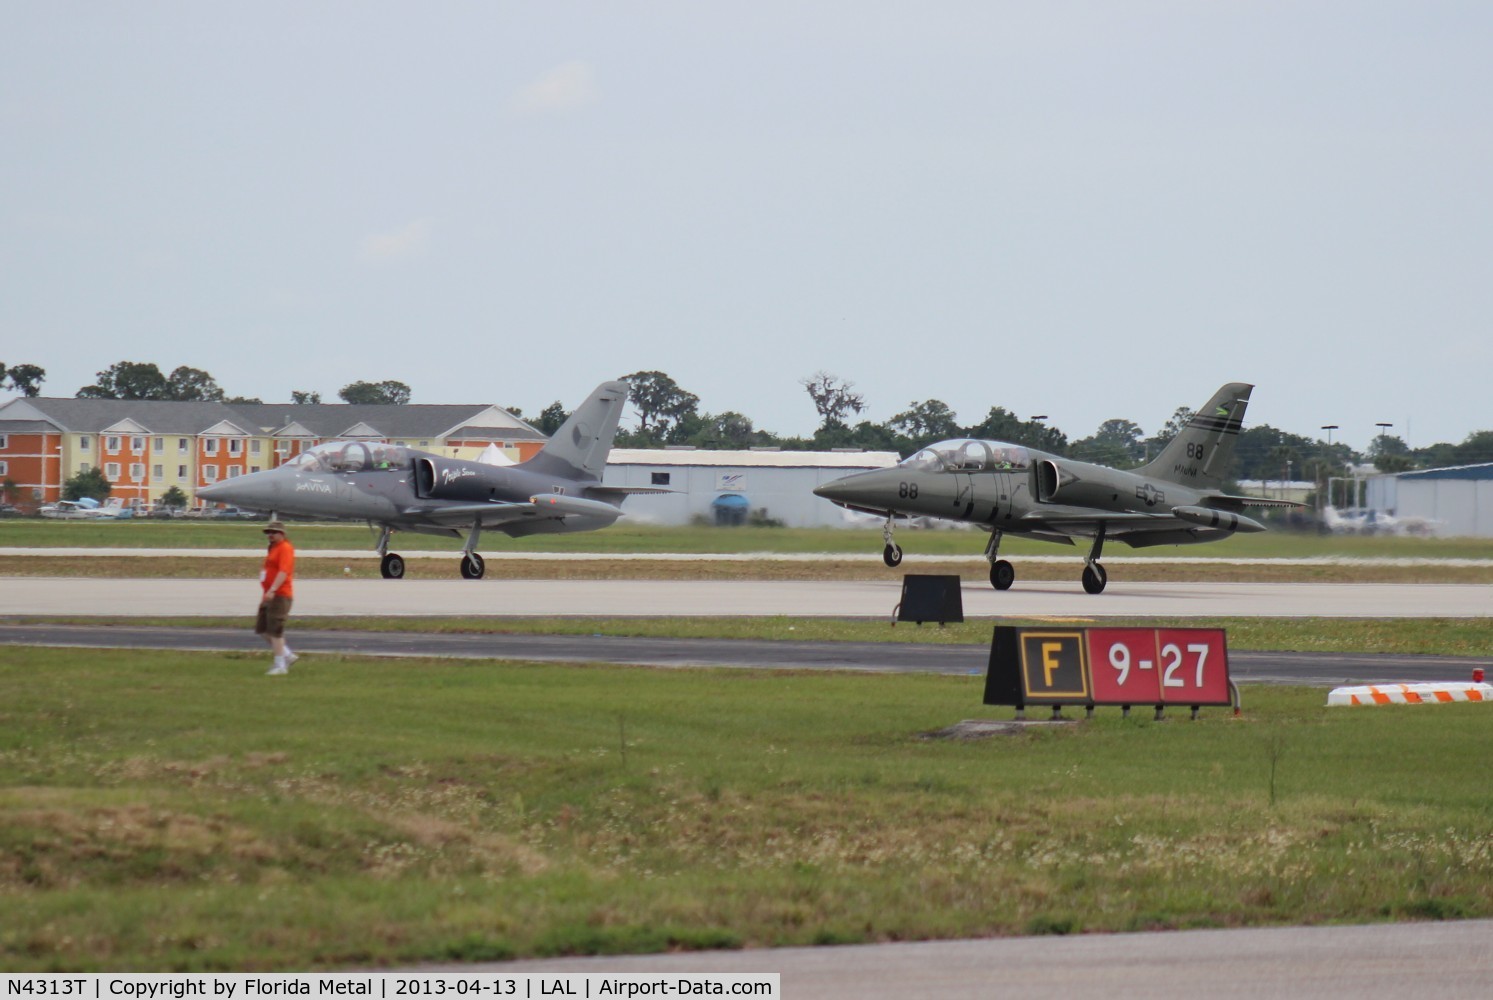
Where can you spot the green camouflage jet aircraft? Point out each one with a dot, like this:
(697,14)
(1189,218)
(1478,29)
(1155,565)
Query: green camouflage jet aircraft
(1175,499)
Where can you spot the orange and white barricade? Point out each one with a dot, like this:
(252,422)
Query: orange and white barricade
(1411,694)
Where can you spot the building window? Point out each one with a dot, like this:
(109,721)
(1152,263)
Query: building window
(181,473)
(235,447)
(254,468)
(210,446)
(158,472)
(111,443)
(85,443)
(233,471)
(181,446)
(111,472)
(84,466)
(4,441)
(209,473)
(160,444)
(137,472)
(4,468)
(660,479)
(254,446)
(137,444)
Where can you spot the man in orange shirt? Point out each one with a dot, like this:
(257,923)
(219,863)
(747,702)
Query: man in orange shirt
(277,580)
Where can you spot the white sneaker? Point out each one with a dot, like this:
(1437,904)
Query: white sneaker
(280,667)
(290,657)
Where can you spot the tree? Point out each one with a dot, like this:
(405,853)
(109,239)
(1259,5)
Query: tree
(388,392)
(661,404)
(1173,427)
(174,497)
(551,417)
(143,380)
(25,379)
(832,398)
(1116,443)
(303,396)
(128,380)
(1390,454)
(930,420)
(189,384)
(87,484)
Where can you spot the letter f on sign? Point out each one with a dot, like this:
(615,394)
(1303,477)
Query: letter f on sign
(1050,662)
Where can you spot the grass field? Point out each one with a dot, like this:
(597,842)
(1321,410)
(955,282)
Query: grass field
(165,811)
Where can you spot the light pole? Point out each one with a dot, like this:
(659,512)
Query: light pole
(1329,428)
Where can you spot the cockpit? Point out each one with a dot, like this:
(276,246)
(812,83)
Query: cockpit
(968,455)
(352,456)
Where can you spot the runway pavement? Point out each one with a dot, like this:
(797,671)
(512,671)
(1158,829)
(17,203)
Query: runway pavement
(539,598)
(1448,961)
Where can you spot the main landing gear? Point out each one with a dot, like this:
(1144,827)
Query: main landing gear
(391,565)
(472,566)
(1094,576)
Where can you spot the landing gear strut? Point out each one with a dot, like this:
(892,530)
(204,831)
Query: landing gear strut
(1002,573)
(892,554)
(472,566)
(391,566)
(1094,576)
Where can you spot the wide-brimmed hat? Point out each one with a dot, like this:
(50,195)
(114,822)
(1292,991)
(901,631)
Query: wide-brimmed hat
(275,526)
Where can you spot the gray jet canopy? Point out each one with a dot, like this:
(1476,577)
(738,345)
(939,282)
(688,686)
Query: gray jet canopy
(968,455)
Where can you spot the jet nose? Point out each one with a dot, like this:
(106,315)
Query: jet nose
(256,491)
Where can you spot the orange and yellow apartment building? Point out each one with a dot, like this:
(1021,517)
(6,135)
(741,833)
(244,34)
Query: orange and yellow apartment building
(145,447)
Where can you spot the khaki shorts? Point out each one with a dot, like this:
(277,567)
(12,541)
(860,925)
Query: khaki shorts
(272,616)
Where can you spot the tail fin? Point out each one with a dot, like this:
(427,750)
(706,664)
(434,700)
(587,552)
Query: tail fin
(579,449)
(1200,454)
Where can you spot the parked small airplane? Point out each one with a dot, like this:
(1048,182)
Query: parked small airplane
(401,489)
(1175,499)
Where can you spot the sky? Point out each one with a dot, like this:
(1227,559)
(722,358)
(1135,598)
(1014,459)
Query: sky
(1087,210)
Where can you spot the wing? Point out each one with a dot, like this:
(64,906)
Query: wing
(546,506)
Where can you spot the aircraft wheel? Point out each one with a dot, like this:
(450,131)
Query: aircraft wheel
(472,566)
(392,566)
(1002,575)
(892,555)
(1094,579)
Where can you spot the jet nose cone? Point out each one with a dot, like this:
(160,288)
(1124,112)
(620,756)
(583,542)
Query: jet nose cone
(211,492)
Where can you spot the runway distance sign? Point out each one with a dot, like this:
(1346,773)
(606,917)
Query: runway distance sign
(1107,666)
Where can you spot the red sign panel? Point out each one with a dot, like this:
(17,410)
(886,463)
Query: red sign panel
(1194,666)
(1159,666)
(1123,664)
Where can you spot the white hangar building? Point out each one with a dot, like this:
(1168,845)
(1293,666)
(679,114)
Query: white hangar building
(1455,502)
(736,487)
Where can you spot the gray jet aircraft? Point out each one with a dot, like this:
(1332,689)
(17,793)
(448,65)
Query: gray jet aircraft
(401,489)
(1175,499)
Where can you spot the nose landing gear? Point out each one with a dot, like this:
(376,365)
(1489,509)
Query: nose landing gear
(892,554)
